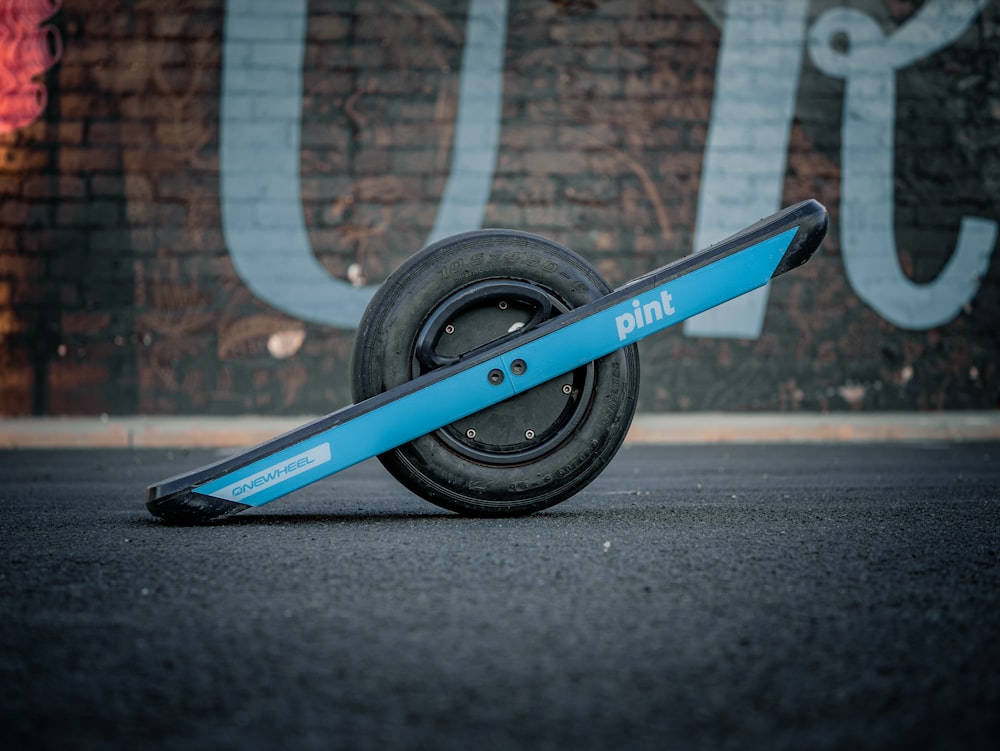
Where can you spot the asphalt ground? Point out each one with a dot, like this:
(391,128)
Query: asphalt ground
(703,597)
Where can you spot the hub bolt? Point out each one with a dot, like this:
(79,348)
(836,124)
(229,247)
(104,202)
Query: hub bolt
(529,434)
(567,389)
(449,329)
(470,433)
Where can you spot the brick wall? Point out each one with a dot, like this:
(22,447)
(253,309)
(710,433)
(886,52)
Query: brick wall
(120,288)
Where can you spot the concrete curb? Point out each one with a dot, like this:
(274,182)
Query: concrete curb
(815,428)
(237,432)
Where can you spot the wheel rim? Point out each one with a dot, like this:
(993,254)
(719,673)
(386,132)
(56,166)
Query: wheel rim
(523,428)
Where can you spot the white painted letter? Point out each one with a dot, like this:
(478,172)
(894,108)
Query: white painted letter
(261,113)
(743,173)
(867,207)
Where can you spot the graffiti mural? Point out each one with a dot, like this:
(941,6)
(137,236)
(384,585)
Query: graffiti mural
(211,194)
(742,175)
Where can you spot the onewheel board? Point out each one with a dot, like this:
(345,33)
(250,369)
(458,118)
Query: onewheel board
(495,373)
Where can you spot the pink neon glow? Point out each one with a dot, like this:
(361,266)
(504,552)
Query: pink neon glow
(26,49)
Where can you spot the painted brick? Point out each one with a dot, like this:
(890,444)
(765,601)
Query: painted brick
(77,160)
(88,214)
(41,187)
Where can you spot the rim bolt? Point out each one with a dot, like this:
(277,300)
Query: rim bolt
(470,433)
(518,367)
(495,376)
(503,305)
(567,389)
(529,434)
(449,329)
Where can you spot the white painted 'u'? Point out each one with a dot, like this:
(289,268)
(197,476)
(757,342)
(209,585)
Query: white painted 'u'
(260,134)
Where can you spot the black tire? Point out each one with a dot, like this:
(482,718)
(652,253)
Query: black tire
(529,452)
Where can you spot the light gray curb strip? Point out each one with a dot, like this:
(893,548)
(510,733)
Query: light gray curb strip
(815,428)
(658,429)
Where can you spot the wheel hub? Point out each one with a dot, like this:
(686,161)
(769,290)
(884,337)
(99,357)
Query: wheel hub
(526,426)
